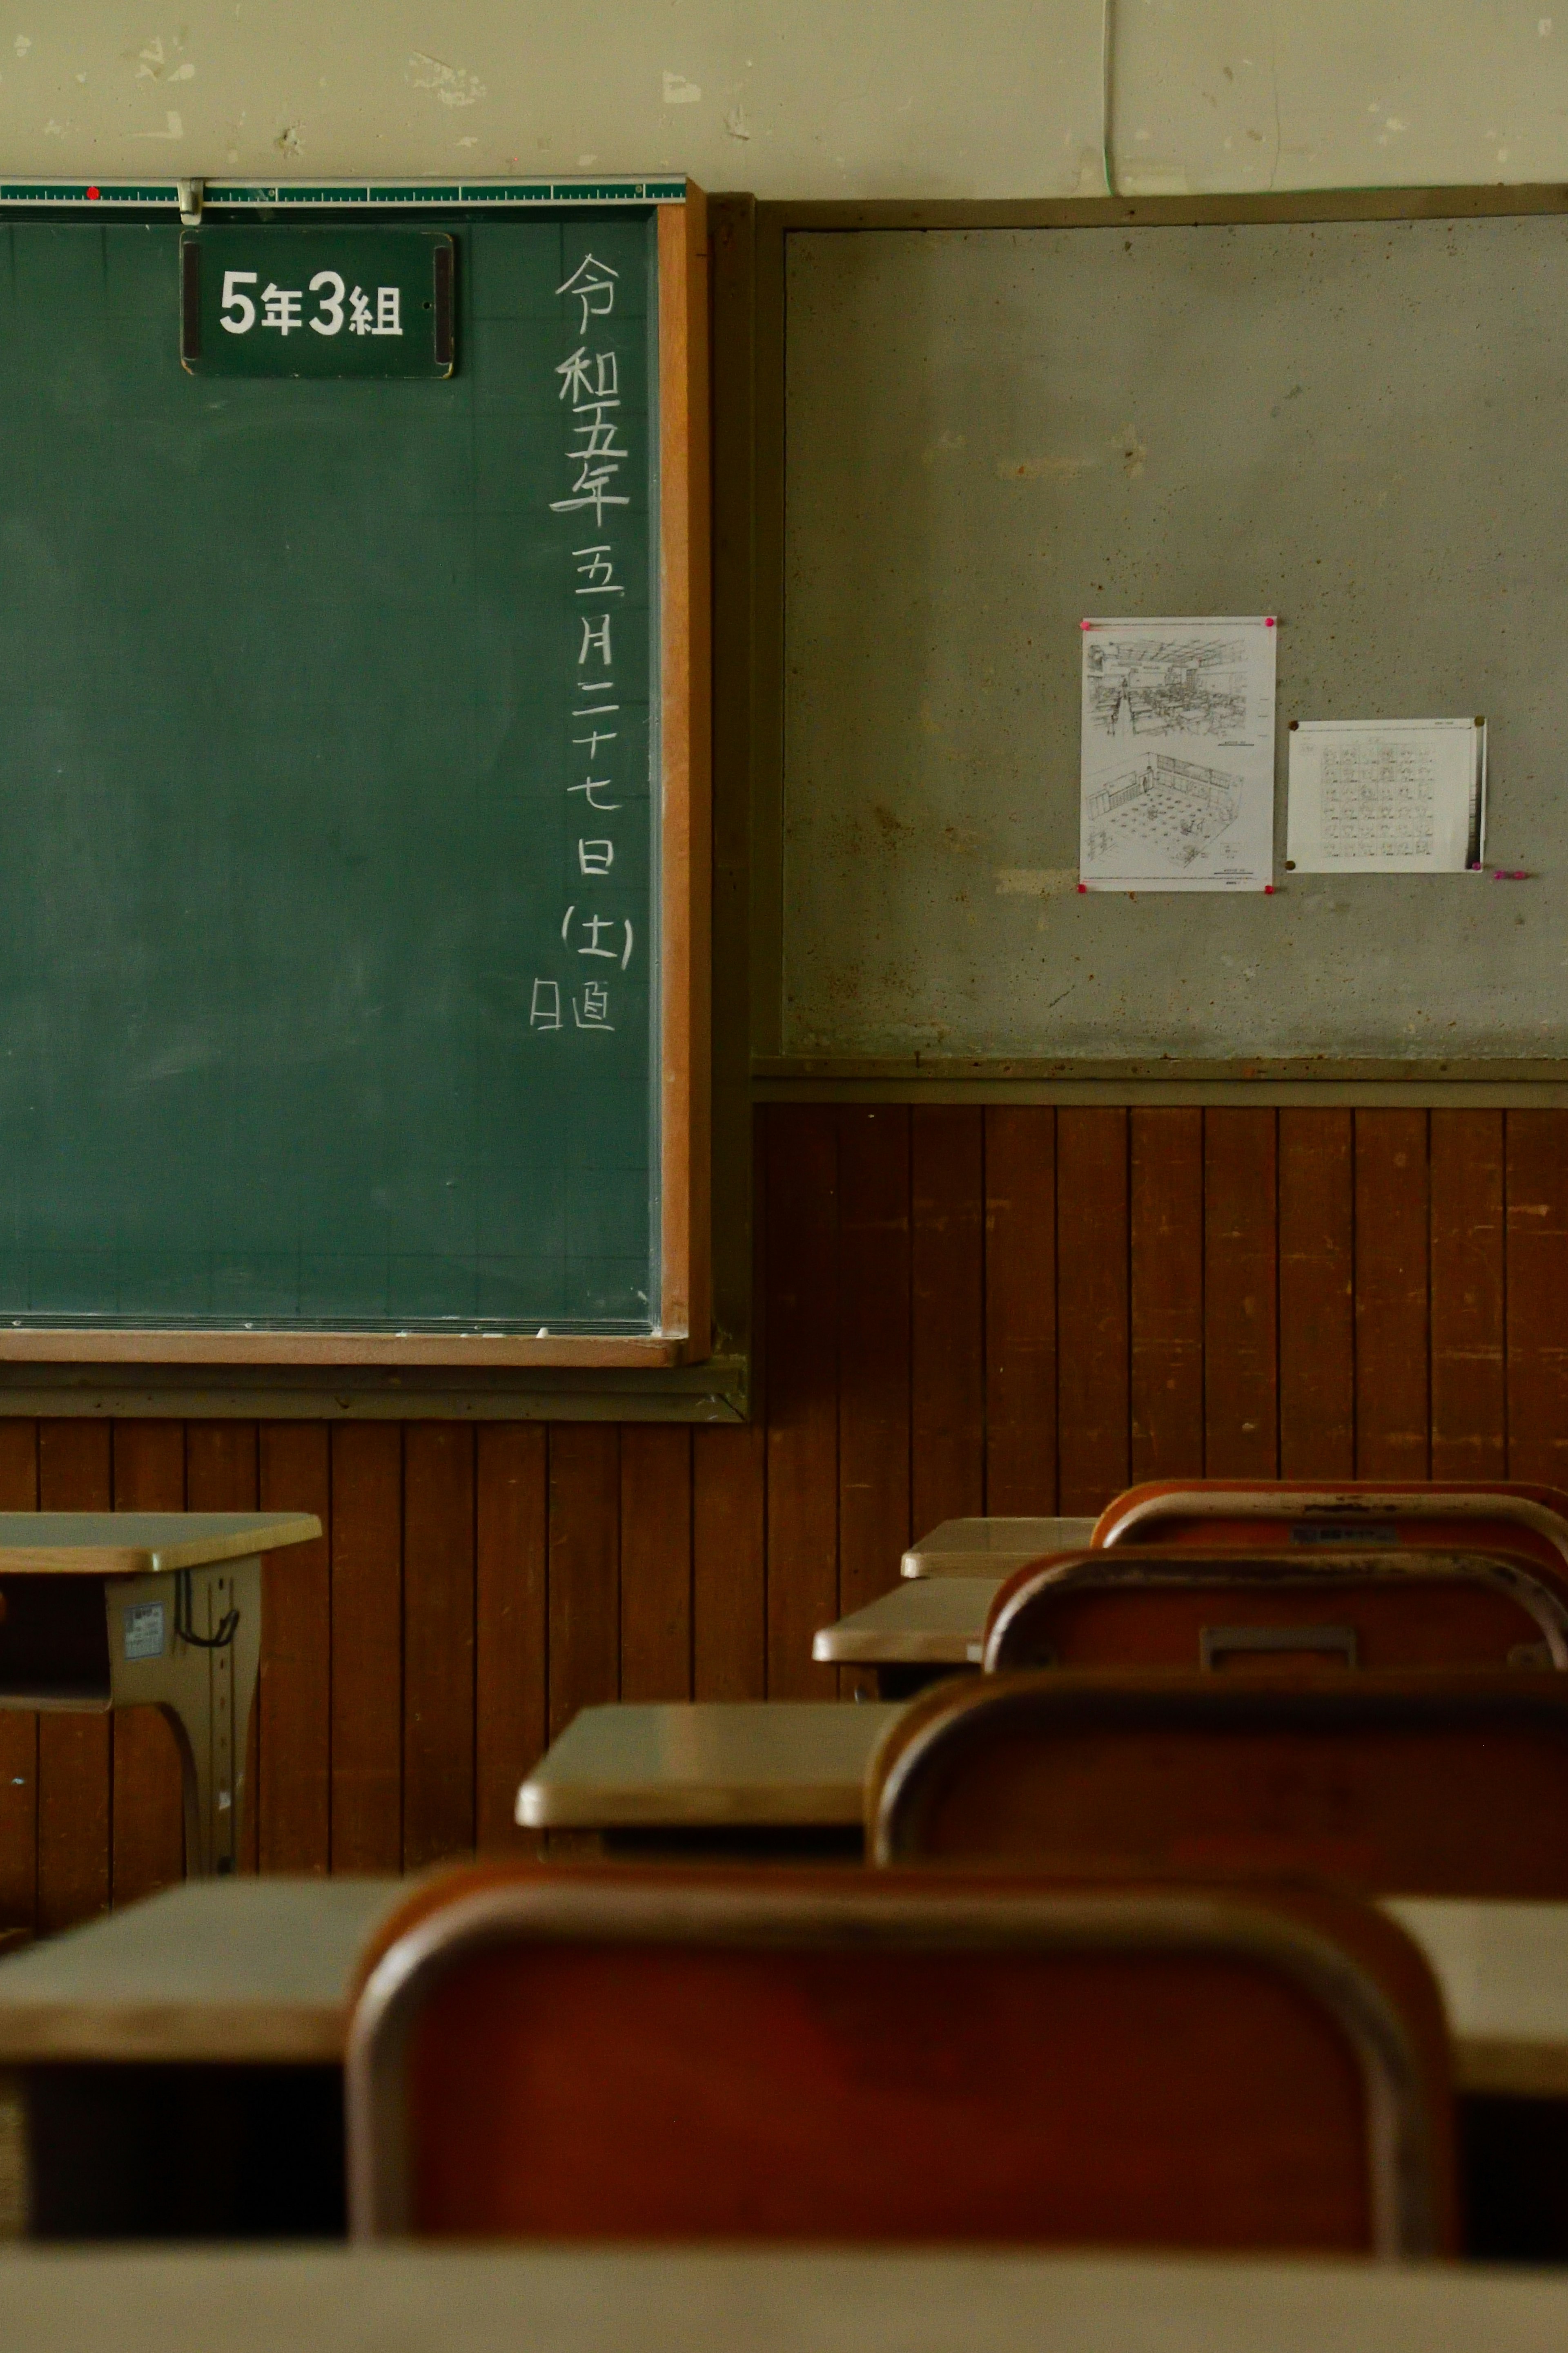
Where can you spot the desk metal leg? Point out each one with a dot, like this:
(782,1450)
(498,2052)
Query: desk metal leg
(189,1642)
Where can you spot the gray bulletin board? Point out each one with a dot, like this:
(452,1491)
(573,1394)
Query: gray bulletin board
(1360,425)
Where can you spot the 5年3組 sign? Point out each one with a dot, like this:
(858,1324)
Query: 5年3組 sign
(316,302)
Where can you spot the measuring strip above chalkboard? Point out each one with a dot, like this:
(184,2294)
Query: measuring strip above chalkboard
(176,193)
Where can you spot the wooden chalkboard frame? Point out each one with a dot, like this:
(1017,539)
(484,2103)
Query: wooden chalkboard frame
(683,1333)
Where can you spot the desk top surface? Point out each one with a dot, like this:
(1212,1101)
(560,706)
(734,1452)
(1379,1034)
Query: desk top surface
(570,2301)
(141,1544)
(262,1968)
(928,1620)
(992,1547)
(713,1764)
(218,1968)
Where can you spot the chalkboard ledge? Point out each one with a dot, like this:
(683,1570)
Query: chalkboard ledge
(717,1391)
(398,1350)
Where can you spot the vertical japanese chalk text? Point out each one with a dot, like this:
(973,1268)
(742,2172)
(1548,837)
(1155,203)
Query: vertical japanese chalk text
(598,944)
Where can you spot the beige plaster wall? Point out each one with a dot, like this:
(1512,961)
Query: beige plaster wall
(800,98)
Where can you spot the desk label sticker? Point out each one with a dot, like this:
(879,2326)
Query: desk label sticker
(144,1629)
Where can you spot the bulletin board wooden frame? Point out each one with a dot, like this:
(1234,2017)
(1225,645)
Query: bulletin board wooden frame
(683,1335)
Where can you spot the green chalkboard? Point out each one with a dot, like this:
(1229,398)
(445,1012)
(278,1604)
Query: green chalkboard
(327,711)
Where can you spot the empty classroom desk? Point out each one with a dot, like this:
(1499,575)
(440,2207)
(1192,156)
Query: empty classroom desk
(583,2300)
(926,1628)
(993,1548)
(107,1610)
(726,1776)
(179,2063)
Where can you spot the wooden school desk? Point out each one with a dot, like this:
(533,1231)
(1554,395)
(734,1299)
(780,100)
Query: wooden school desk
(106,1609)
(578,2300)
(179,2063)
(748,1775)
(926,1628)
(992,1547)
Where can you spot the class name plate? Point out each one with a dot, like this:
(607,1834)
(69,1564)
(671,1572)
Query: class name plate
(316,302)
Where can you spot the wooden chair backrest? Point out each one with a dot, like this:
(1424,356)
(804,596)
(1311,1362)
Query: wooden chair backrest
(681,2055)
(1500,1516)
(1391,1784)
(1275,1612)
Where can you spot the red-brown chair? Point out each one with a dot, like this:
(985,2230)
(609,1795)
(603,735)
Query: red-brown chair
(1390,1784)
(1499,1517)
(673,2055)
(1273,1611)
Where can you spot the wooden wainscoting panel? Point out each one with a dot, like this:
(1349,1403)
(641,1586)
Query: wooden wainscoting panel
(1021,1309)
(584,1555)
(1093,1334)
(294,1805)
(1241,1277)
(512,1614)
(437,1642)
(1537,1196)
(1470,1401)
(367,1646)
(802,1310)
(729,1563)
(947,1409)
(1166,1180)
(1317,1295)
(656,1561)
(875,1276)
(1393,1330)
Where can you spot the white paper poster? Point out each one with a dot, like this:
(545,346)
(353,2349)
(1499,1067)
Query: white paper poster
(1386,795)
(1176,771)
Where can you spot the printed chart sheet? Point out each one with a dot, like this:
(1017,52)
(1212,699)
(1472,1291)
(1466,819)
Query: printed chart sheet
(1386,795)
(1177,760)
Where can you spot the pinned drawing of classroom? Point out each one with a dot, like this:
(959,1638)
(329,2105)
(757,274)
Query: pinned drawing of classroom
(783,1222)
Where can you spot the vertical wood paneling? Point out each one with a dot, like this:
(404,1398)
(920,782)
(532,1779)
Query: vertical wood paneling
(1537,1203)
(655,1562)
(74,1751)
(512,1665)
(585,1539)
(1392,1323)
(437,1642)
(1166,1168)
(1020,1309)
(149,1842)
(18,1732)
(1093,1376)
(1241,1412)
(1469,1418)
(367,1647)
(873,1350)
(802,1261)
(294,1474)
(1317,1300)
(947,1166)
(729,1563)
